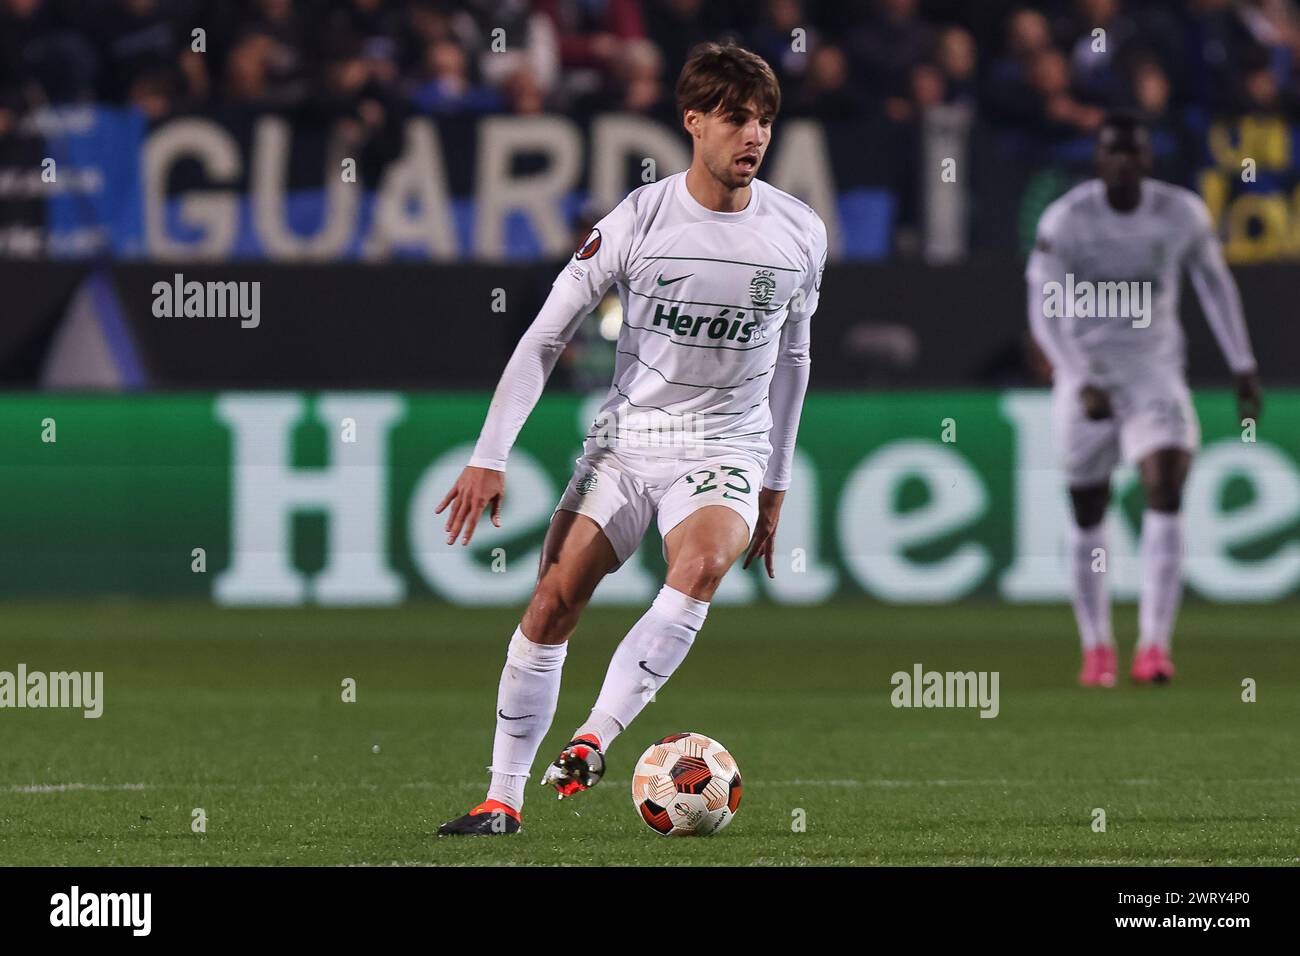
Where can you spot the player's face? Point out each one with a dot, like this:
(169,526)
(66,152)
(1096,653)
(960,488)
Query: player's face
(732,142)
(1123,156)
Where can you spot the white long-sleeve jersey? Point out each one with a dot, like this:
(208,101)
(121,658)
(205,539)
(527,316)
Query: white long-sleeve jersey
(1083,243)
(715,333)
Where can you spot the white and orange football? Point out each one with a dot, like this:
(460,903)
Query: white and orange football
(686,785)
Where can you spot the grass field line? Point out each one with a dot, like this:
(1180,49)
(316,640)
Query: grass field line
(883,783)
(69,787)
(877,860)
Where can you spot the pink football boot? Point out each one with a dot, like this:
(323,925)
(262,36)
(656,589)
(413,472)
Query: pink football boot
(1152,665)
(1099,667)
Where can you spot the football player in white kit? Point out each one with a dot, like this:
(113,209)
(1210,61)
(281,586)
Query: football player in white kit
(718,274)
(1119,390)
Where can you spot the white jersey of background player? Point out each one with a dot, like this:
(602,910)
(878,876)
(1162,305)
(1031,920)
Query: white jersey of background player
(718,275)
(1103,287)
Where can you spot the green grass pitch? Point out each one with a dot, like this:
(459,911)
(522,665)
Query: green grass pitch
(239,712)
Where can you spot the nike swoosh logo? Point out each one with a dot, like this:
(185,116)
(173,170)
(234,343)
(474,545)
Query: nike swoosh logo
(641,664)
(502,714)
(663,282)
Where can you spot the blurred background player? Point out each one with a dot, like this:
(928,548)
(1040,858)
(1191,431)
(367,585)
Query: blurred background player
(1119,389)
(719,275)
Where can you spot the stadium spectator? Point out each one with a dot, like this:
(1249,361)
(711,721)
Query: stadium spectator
(956,57)
(926,88)
(677,26)
(286,58)
(636,85)
(154,93)
(774,38)
(518,50)
(1272,24)
(523,91)
(592,35)
(247,80)
(1058,111)
(1028,33)
(1101,31)
(43,57)
(640,79)
(355,91)
(1204,71)
(1008,94)
(140,38)
(473,56)
(1034,74)
(370,30)
(1258,89)
(446,86)
(825,92)
(1150,89)
(887,45)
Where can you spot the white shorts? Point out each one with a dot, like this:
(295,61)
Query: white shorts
(622,491)
(1153,411)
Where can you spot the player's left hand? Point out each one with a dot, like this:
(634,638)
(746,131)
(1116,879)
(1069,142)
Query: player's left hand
(1249,399)
(764,540)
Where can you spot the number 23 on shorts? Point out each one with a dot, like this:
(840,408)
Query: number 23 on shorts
(709,481)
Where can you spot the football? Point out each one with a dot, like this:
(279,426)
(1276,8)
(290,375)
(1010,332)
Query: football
(686,785)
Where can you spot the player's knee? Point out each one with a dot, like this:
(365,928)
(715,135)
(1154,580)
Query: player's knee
(1089,518)
(1089,506)
(701,571)
(1164,496)
(552,614)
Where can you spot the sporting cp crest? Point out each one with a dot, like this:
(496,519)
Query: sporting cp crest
(587,483)
(762,286)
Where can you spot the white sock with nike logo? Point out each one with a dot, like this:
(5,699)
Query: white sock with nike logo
(526,699)
(644,661)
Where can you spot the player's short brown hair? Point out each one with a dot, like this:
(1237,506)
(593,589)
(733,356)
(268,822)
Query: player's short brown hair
(727,76)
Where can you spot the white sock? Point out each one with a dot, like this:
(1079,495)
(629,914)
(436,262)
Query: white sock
(600,724)
(508,788)
(528,693)
(1088,590)
(644,661)
(1162,577)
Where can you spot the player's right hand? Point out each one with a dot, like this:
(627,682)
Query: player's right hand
(475,489)
(1249,401)
(1096,403)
